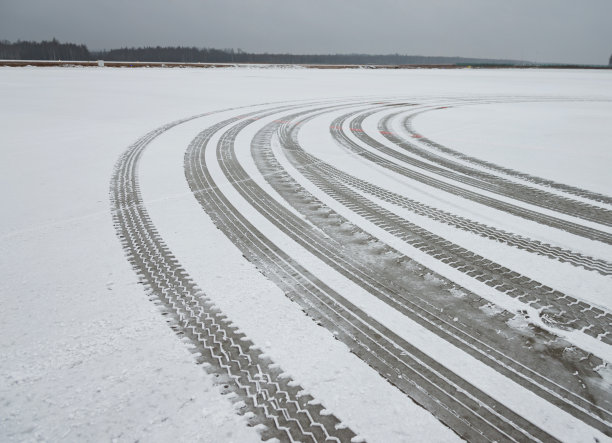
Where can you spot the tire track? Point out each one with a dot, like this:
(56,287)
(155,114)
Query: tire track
(528,214)
(280,182)
(269,397)
(483,180)
(478,178)
(408,123)
(563,255)
(527,244)
(518,211)
(557,309)
(465,409)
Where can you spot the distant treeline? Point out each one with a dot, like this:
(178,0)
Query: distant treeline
(45,50)
(54,50)
(203,55)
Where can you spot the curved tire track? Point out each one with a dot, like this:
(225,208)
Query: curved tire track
(490,182)
(271,398)
(558,309)
(274,400)
(467,410)
(288,189)
(528,214)
(408,123)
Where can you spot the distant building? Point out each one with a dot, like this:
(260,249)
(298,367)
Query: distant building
(610,63)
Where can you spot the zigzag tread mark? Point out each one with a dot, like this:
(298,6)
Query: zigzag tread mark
(190,314)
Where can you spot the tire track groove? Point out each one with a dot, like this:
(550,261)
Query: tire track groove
(483,180)
(271,398)
(557,309)
(353,326)
(408,123)
(523,212)
(268,171)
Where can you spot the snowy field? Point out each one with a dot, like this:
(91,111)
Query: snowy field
(243,254)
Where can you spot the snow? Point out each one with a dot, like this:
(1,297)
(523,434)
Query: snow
(577,282)
(493,295)
(556,422)
(318,142)
(323,366)
(568,142)
(86,356)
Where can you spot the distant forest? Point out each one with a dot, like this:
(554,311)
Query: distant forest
(54,50)
(205,55)
(45,50)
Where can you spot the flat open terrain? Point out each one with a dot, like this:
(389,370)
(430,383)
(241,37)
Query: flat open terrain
(346,255)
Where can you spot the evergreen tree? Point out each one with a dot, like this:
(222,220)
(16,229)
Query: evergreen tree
(45,50)
(54,50)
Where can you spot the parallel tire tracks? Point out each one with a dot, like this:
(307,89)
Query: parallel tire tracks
(459,317)
(488,181)
(293,193)
(467,410)
(559,309)
(270,398)
(520,242)
(252,244)
(408,123)
(511,208)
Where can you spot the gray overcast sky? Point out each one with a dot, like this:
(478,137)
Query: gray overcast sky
(564,31)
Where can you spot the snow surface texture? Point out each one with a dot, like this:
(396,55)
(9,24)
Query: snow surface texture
(88,357)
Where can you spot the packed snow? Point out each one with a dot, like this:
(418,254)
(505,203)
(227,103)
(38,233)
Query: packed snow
(87,356)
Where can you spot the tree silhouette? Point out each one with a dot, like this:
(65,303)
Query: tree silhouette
(45,50)
(54,50)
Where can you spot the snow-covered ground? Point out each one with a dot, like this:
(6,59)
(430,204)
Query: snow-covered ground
(565,142)
(87,356)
